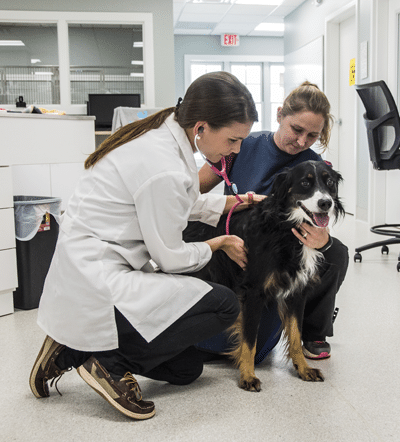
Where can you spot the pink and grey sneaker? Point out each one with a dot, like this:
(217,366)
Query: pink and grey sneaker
(316,349)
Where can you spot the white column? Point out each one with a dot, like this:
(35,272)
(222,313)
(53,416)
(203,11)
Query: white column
(148,58)
(63,60)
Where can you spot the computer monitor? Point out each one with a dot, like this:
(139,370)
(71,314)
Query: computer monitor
(102,107)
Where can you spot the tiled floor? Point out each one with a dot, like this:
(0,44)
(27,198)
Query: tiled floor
(358,402)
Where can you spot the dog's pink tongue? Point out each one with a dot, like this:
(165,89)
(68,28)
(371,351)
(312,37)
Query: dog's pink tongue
(321,219)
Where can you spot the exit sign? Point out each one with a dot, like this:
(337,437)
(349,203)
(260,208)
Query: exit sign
(230,40)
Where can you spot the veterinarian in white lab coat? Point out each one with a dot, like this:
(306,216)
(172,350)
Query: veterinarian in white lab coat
(104,309)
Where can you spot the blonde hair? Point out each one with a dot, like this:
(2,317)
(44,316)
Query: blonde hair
(308,97)
(218,98)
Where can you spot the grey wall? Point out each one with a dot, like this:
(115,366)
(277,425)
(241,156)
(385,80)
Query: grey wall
(162,24)
(211,45)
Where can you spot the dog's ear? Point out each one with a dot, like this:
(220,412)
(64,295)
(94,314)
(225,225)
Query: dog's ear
(339,209)
(338,177)
(282,184)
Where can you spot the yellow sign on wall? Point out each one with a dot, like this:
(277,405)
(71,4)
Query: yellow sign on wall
(352,74)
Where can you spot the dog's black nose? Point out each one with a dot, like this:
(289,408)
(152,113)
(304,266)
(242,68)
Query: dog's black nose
(324,204)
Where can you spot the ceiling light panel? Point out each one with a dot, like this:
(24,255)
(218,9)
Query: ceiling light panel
(259,2)
(270,27)
(213,2)
(283,11)
(11,43)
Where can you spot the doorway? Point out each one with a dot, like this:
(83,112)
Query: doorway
(341,48)
(346,115)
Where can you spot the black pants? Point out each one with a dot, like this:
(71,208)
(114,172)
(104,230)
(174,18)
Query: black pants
(317,322)
(171,356)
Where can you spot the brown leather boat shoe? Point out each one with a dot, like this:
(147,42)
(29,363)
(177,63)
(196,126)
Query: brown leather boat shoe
(124,395)
(44,369)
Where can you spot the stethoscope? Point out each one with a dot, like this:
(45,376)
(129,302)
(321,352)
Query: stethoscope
(222,173)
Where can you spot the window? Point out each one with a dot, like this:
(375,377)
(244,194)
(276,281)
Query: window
(45,75)
(199,69)
(29,64)
(264,79)
(105,59)
(251,76)
(276,93)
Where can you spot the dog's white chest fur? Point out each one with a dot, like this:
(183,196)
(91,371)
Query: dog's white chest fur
(308,267)
(309,263)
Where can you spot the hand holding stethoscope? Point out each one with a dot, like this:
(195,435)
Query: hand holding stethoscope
(250,197)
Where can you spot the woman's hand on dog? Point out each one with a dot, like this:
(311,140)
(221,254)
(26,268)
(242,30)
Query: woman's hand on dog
(233,246)
(249,199)
(312,236)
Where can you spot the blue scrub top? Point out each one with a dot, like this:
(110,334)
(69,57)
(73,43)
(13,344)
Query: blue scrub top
(259,160)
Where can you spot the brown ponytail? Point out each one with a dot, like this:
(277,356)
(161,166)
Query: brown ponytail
(128,133)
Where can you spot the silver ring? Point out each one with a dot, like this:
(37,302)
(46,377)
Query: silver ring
(305,235)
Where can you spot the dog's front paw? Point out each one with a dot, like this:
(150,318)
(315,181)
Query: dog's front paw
(311,375)
(250,383)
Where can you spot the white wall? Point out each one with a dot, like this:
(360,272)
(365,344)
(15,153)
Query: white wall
(211,45)
(307,23)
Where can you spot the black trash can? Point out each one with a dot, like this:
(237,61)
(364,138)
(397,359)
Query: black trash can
(36,228)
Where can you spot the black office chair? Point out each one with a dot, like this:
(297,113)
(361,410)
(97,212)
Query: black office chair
(382,121)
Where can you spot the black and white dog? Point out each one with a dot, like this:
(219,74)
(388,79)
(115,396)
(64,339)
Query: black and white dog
(280,268)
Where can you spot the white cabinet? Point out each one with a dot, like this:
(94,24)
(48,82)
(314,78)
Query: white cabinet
(8,262)
(6,194)
(55,180)
(42,155)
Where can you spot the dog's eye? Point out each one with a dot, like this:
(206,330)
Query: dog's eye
(330,182)
(305,184)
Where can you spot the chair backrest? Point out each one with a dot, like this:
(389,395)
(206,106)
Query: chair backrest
(125,115)
(383,125)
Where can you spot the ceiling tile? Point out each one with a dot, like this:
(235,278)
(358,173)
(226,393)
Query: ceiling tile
(251,10)
(251,19)
(198,8)
(294,3)
(199,18)
(195,25)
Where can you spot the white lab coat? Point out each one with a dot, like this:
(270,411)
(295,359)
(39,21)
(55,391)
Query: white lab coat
(132,206)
